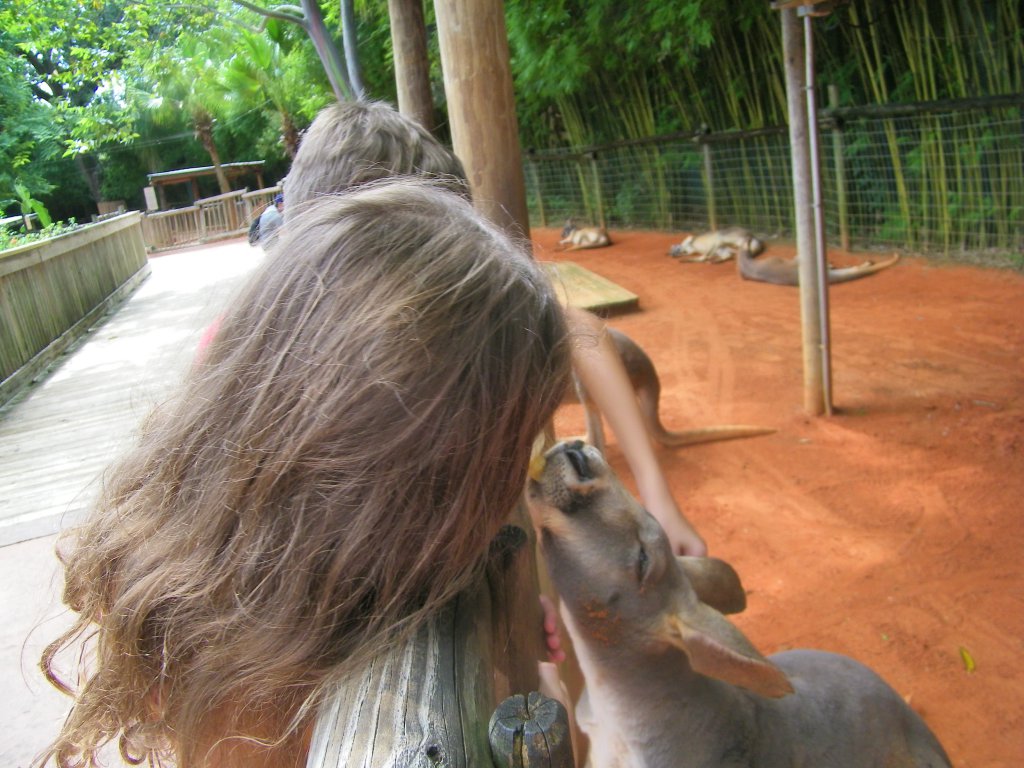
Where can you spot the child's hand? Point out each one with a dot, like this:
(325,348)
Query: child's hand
(682,536)
(552,640)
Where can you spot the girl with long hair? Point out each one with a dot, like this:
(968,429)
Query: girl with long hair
(329,474)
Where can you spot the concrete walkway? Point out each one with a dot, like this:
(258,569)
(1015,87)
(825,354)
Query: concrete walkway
(56,441)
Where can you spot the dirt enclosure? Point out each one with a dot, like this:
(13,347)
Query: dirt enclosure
(891,531)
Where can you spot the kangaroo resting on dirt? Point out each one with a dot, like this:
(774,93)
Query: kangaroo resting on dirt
(576,238)
(715,247)
(647,386)
(772,269)
(670,682)
(724,244)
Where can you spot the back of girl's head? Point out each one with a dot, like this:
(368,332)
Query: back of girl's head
(352,143)
(331,473)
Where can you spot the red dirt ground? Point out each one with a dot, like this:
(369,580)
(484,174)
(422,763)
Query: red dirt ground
(891,531)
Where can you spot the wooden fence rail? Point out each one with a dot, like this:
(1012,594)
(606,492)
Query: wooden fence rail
(52,291)
(940,177)
(461,692)
(208,219)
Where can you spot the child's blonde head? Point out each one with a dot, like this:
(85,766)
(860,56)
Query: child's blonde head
(356,142)
(331,473)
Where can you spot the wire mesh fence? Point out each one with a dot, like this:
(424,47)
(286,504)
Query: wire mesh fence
(937,178)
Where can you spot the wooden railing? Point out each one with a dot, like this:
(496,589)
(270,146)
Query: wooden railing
(52,291)
(170,229)
(208,219)
(461,693)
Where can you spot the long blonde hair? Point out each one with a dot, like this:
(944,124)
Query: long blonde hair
(328,476)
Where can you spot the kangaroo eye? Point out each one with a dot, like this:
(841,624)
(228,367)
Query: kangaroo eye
(641,563)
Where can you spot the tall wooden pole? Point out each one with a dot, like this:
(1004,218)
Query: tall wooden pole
(412,65)
(482,109)
(794,53)
(485,136)
(818,207)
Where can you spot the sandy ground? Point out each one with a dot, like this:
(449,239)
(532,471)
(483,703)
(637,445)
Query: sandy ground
(891,531)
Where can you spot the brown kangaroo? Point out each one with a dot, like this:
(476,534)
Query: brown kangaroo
(772,269)
(670,682)
(647,386)
(723,244)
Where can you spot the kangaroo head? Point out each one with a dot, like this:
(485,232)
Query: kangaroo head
(569,228)
(686,248)
(624,590)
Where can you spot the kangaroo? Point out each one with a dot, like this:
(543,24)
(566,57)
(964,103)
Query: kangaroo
(772,269)
(741,244)
(647,386)
(576,238)
(670,682)
(717,246)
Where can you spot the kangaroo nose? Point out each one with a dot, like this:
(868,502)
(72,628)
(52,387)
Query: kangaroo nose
(578,460)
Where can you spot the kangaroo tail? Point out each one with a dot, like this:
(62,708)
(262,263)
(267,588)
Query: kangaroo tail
(845,274)
(648,400)
(709,435)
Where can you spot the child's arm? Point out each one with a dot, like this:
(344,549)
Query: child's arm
(600,369)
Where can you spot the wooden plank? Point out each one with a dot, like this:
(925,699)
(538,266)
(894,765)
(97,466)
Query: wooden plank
(579,287)
(58,435)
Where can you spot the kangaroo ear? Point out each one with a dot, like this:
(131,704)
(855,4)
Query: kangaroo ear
(717,649)
(715,582)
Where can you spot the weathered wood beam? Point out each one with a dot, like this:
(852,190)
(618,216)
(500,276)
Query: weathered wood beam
(412,65)
(481,108)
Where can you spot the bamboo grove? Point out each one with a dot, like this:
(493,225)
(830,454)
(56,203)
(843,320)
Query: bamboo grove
(640,146)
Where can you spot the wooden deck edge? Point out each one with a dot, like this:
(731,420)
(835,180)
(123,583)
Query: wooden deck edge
(40,365)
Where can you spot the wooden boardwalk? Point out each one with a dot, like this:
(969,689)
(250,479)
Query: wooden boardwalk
(56,440)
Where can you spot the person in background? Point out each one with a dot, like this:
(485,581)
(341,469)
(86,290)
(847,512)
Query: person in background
(271,220)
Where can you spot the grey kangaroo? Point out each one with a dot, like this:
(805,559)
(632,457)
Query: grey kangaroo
(670,682)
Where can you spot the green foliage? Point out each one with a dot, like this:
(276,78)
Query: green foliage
(124,85)
(29,205)
(29,141)
(12,238)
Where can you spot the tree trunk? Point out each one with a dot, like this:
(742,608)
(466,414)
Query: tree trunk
(289,135)
(412,65)
(482,108)
(91,176)
(204,132)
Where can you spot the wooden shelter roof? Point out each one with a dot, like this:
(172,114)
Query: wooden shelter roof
(188,174)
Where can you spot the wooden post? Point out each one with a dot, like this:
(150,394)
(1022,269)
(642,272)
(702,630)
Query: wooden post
(840,171)
(709,185)
(592,157)
(531,730)
(412,65)
(535,179)
(794,54)
(442,698)
(481,108)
